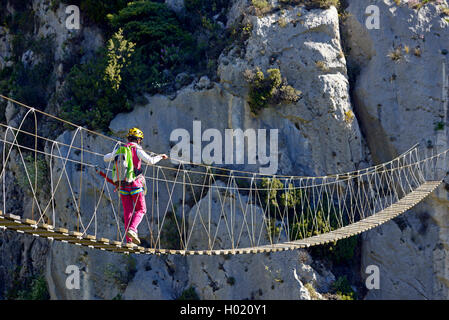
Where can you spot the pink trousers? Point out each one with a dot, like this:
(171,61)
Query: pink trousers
(134,208)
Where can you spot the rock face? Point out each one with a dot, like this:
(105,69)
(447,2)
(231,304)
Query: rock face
(305,47)
(20,258)
(319,134)
(315,136)
(399,100)
(248,277)
(5,48)
(52,23)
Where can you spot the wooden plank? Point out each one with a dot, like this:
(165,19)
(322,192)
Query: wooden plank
(56,236)
(90,237)
(62,230)
(29,221)
(12,217)
(150,250)
(75,234)
(6,222)
(45,226)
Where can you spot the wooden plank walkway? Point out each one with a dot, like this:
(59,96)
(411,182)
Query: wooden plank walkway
(31,227)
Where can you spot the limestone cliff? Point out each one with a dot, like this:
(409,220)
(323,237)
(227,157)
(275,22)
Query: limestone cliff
(400,100)
(355,109)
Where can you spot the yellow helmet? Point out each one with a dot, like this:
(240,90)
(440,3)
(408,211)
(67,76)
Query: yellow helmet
(135,132)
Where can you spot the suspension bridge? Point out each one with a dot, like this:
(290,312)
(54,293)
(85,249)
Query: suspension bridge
(193,209)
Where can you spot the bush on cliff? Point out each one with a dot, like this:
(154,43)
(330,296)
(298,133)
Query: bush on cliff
(307,219)
(160,49)
(269,90)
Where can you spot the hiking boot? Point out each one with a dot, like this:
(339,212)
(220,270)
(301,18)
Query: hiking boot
(133,235)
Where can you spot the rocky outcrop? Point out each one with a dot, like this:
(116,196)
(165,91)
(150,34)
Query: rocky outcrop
(398,98)
(305,46)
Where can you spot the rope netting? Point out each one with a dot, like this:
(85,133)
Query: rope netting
(190,207)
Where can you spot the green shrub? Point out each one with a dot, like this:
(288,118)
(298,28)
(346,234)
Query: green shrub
(107,84)
(93,101)
(33,288)
(21,22)
(240,32)
(205,19)
(30,84)
(97,10)
(119,53)
(21,18)
(261,6)
(273,229)
(439,126)
(54,5)
(230,281)
(267,90)
(39,178)
(165,45)
(189,294)
(272,193)
(170,237)
(307,218)
(271,197)
(311,224)
(339,252)
(312,291)
(312,4)
(418,4)
(162,43)
(343,289)
(206,7)
(291,2)
(37,291)
(154,28)
(121,276)
(322,4)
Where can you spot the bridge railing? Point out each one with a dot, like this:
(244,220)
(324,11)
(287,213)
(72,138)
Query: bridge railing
(54,180)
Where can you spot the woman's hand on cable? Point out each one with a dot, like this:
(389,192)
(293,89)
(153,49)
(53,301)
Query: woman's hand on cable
(164,156)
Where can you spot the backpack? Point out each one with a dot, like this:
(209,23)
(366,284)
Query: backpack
(123,169)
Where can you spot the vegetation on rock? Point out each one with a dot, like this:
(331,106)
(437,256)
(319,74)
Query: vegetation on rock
(307,218)
(33,288)
(269,89)
(149,45)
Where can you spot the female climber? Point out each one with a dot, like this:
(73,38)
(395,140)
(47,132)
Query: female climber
(127,174)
